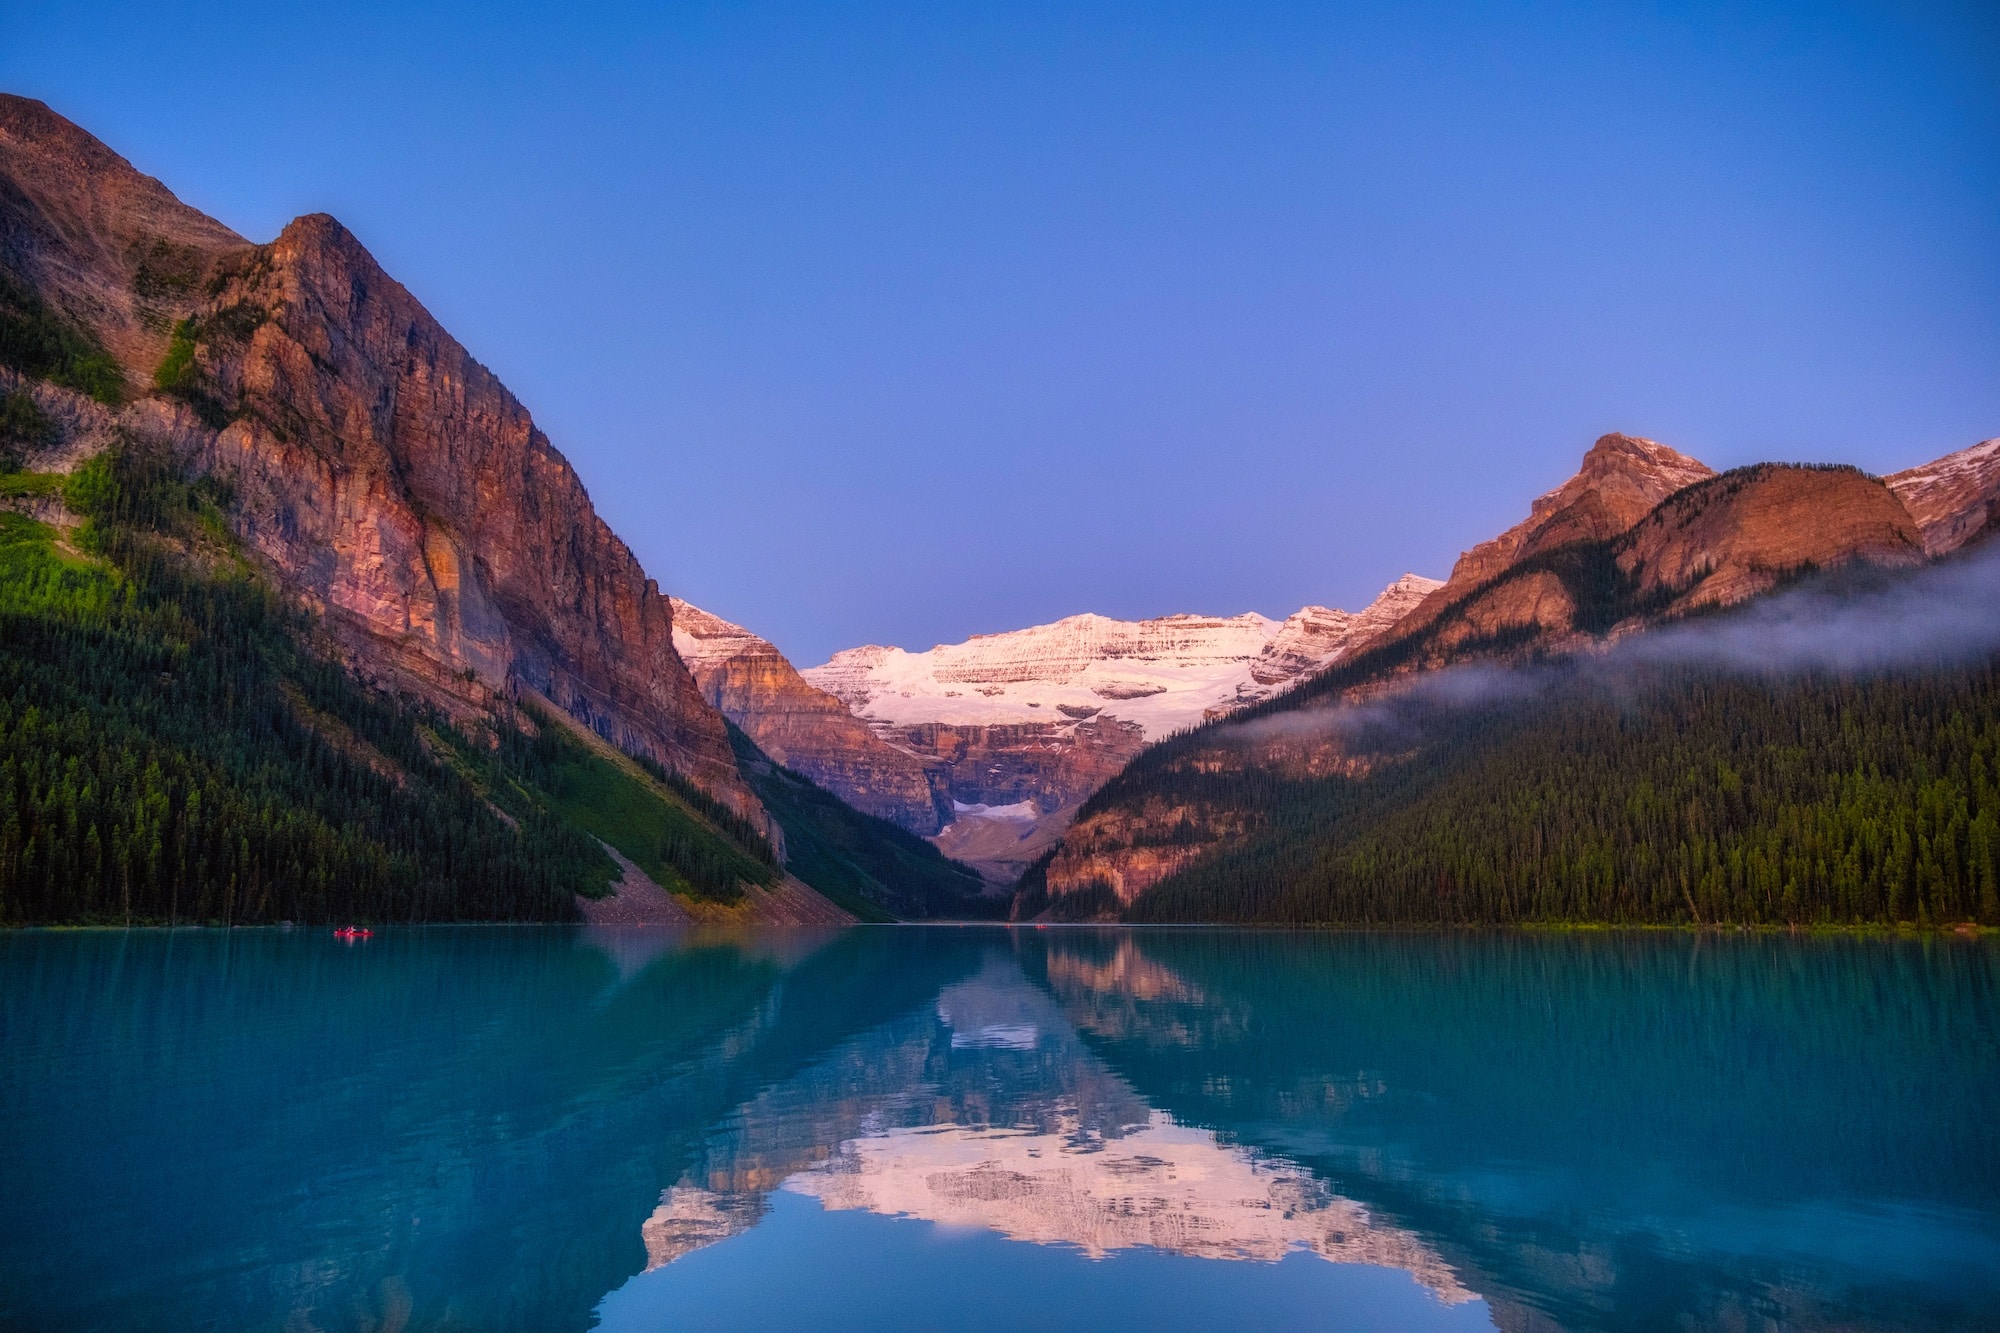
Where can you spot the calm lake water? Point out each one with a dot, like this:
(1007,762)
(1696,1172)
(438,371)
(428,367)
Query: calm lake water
(563,1128)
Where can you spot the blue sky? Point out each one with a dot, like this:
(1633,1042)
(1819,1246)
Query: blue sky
(897,323)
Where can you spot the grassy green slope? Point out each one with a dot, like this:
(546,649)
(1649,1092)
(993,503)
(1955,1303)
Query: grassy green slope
(173,747)
(873,868)
(655,823)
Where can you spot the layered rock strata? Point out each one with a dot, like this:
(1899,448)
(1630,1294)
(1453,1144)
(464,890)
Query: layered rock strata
(1954,499)
(803,728)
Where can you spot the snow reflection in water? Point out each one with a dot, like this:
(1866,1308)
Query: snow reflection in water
(1065,1153)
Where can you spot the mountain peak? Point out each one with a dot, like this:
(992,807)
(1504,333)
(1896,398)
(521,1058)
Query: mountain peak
(703,639)
(107,246)
(1621,479)
(383,477)
(1633,456)
(745,678)
(1627,475)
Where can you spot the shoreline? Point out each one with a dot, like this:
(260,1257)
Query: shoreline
(1900,930)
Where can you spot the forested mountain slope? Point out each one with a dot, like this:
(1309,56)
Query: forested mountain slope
(1297,811)
(301,618)
(175,747)
(1681,796)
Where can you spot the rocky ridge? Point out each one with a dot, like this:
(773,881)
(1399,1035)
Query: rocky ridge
(1953,499)
(382,474)
(809,731)
(1620,481)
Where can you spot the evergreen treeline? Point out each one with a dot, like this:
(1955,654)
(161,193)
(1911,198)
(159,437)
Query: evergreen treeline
(869,866)
(1669,794)
(172,749)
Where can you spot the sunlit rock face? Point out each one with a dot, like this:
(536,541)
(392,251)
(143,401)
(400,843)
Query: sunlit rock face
(1954,499)
(1729,539)
(752,684)
(1622,478)
(383,476)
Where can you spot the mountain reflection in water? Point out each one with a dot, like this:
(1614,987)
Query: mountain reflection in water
(495,1128)
(1023,1132)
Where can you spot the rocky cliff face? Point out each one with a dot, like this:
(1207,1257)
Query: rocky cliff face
(1622,478)
(1734,536)
(1714,543)
(1954,499)
(383,475)
(803,728)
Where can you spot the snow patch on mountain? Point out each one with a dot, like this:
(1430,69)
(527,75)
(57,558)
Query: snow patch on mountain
(704,640)
(1018,810)
(1162,675)
(1953,498)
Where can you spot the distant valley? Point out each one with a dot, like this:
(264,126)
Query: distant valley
(988,746)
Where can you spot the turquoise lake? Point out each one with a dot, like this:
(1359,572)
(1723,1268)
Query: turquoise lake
(557,1128)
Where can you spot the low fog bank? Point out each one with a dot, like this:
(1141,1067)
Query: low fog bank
(1851,622)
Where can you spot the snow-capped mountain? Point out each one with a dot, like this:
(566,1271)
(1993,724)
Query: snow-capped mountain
(989,745)
(1952,499)
(1016,729)
(1160,676)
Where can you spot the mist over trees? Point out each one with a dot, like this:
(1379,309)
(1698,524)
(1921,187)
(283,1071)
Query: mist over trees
(1827,755)
(1685,795)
